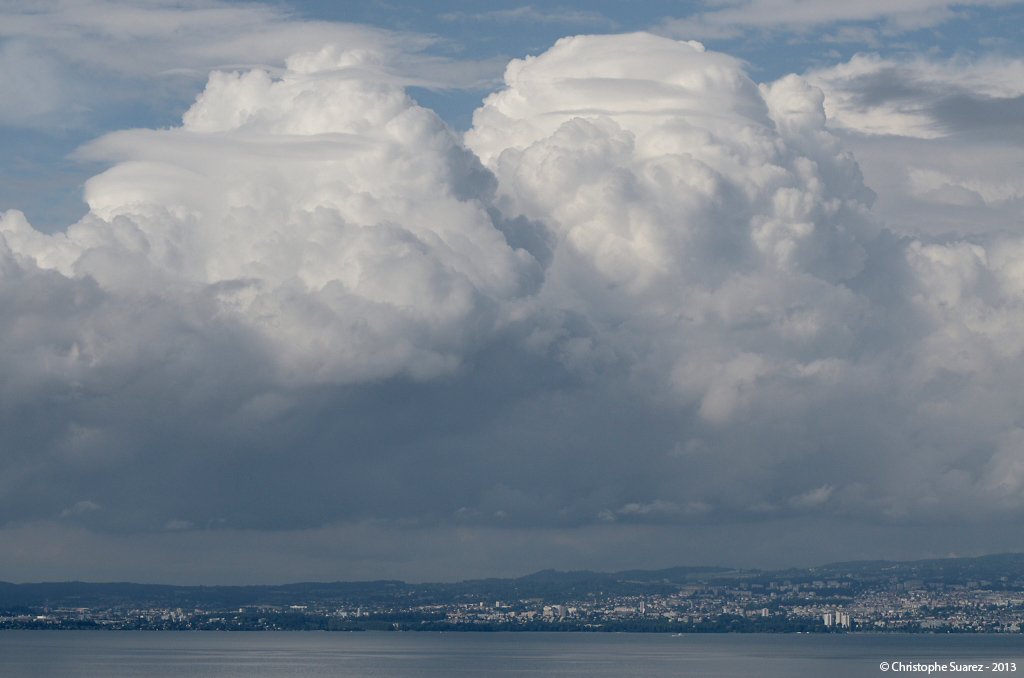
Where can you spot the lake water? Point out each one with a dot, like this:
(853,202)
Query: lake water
(140,654)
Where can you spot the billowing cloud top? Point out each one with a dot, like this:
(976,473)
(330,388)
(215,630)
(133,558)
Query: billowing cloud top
(322,210)
(685,203)
(669,148)
(644,289)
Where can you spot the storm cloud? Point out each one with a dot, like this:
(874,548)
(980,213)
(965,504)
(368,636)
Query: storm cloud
(643,300)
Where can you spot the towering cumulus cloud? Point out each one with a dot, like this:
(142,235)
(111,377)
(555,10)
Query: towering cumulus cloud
(643,289)
(718,240)
(712,221)
(322,212)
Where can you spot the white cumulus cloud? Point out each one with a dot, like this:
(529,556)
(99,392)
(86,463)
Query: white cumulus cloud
(329,214)
(643,289)
(679,193)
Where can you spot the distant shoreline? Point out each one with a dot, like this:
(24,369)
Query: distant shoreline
(957,595)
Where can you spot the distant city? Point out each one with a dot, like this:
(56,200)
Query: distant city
(953,595)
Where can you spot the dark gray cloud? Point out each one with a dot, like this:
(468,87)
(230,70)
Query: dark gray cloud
(954,108)
(990,117)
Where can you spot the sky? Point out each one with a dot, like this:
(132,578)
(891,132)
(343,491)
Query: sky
(433,291)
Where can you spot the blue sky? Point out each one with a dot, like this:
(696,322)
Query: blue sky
(382,289)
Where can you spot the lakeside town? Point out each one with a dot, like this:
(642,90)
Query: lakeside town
(962,595)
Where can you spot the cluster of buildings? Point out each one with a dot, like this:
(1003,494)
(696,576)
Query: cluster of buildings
(776,606)
(742,604)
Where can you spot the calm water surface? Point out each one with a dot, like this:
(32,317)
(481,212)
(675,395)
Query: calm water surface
(73,654)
